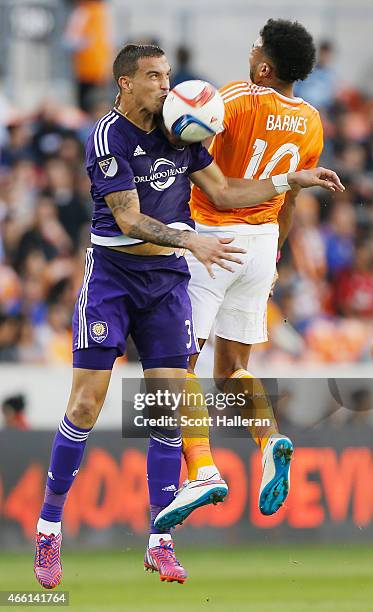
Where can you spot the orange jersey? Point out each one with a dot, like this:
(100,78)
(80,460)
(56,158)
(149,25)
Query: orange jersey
(264,134)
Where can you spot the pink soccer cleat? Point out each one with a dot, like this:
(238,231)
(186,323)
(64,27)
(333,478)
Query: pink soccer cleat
(162,559)
(47,563)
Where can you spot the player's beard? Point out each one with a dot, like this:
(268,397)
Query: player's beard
(158,112)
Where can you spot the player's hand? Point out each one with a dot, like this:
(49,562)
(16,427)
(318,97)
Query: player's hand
(209,250)
(316,177)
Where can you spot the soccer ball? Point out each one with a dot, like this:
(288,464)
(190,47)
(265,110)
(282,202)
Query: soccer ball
(193,111)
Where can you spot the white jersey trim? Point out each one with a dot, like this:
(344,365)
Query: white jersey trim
(82,333)
(231,91)
(96,141)
(251,87)
(260,91)
(106,142)
(100,137)
(247,93)
(123,240)
(234,86)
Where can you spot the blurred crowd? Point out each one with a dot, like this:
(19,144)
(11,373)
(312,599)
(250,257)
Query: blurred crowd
(322,308)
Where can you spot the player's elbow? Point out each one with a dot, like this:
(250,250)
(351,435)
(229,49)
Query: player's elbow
(128,227)
(221,200)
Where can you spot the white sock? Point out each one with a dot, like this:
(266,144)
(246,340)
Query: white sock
(204,473)
(154,538)
(48,527)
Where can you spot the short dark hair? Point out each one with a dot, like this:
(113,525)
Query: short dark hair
(290,47)
(15,402)
(126,62)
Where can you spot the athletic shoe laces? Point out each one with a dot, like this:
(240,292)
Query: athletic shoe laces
(45,549)
(166,552)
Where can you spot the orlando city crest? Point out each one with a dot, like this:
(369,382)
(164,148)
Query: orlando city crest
(98,331)
(109,166)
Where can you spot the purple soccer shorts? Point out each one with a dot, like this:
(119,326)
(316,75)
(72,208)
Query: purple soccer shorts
(126,294)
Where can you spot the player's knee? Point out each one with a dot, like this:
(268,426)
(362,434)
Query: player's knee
(84,410)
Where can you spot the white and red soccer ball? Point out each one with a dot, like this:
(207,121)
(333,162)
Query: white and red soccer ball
(193,111)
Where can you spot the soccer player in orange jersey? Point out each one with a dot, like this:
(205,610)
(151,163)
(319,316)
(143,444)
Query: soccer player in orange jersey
(267,131)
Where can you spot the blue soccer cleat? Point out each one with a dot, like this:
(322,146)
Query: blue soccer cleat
(275,484)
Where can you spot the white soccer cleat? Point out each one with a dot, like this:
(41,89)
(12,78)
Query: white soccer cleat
(275,484)
(192,495)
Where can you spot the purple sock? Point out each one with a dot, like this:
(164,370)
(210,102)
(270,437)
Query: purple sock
(154,511)
(67,453)
(163,466)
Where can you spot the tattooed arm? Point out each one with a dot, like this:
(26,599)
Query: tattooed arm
(125,207)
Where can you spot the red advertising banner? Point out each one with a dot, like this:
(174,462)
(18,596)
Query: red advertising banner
(330,487)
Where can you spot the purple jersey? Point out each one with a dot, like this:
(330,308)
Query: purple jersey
(121,156)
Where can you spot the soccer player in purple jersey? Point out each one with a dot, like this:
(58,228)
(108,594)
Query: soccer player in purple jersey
(135,282)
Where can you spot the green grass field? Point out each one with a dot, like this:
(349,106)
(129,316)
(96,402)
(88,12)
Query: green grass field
(296,579)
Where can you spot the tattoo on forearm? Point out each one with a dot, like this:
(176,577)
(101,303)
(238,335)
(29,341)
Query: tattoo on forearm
(125,208)
(151,230)
(122,201)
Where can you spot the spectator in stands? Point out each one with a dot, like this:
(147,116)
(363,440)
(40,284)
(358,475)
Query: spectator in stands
(13,410)
(89,37)
(320,88)
(97,106)
(353,286)
(183,71)
(307,244)
(60,185)
(339,236)
(55,335)
(18,144)
(30,349)
(47,132)
(10,288)
(46,234)
(10,326)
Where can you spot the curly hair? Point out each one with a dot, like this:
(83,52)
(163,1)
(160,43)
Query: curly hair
(290,47)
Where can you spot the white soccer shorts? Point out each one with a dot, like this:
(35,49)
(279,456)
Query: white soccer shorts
(237,301)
